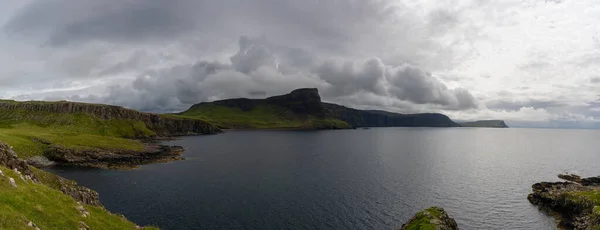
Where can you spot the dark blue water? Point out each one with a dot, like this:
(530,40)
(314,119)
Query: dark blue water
(348,179)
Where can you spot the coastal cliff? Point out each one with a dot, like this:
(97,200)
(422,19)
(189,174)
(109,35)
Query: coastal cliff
(161,125)
(303,109)
(485,124)
(91,135)
(34,199)
(575,203)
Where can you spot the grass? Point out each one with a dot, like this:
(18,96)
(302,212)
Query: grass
(27,130)
(262,116)
(423,220)
(48,208)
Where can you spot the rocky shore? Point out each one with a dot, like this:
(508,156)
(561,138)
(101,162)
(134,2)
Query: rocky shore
(575,203)
(107,158)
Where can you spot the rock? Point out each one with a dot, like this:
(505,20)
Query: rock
(572,203)
(114,159)
(81,209)
(32,225)
(570,177)
(40,162)
(1,173)
(431,218)
(83,226)
(12,182)
(9,159)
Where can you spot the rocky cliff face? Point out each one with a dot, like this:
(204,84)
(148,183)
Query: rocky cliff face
(301,101)
(9,159)
(162,125)
(374,118)
(431,218)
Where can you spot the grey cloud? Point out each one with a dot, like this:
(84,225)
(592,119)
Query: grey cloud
(72,21)
(516,105)
(254,72)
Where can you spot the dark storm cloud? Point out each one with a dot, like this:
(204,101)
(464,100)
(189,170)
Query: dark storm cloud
(254,72)
(290,44)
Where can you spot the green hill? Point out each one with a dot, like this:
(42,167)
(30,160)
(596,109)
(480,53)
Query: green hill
(303,109)
(67,130)
(485,124)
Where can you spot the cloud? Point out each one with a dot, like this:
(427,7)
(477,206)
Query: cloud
(255,68)
(402,56)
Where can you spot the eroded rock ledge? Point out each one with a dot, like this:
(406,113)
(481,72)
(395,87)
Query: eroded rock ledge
(431,218)
(574,203)
(113,159)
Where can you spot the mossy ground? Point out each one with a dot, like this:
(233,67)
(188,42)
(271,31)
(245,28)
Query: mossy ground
(48,208)
(262,116)
(423,220)
(26,130)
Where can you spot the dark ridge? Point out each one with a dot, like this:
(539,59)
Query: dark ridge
(307,102)
(378,118)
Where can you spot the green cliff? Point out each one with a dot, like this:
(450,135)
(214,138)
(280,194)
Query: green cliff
(303,109)
(90,134)
(485,124)
(33,199)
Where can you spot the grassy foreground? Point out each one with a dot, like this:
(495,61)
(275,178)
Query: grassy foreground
(48,208)
(262,116)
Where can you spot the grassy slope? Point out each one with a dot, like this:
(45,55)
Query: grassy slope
(48,208)
(262,116)
(19,128)
(423,220)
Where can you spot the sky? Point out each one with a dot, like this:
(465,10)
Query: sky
(532,63)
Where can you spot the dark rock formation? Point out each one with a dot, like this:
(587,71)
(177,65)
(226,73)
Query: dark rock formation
(9,159)
(301,101)
(376,118)
(113,159)
(307,102)
(573,203)
(485,124)
(431,218)
(162,125)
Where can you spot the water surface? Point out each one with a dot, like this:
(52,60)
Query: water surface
(348,179)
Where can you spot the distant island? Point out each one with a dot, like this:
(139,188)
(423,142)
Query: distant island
(485,123)
(303,109)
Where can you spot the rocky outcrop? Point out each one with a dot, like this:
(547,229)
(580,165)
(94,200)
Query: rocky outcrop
(113,159)
(574,203)
(9,159)
(431,218)
(162,125)
(300,101)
